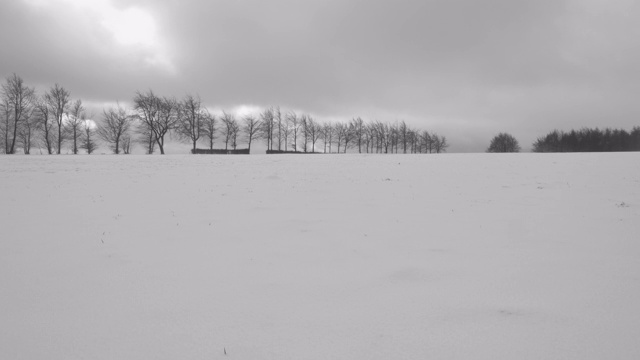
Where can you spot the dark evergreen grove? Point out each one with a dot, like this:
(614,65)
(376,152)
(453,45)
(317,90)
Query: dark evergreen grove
(589,140)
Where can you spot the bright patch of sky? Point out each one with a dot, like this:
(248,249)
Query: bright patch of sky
(131,29)
(132,26)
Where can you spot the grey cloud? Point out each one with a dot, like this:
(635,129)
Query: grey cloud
(465,68)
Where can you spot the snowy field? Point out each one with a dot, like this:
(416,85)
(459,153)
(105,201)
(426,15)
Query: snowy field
(461,256)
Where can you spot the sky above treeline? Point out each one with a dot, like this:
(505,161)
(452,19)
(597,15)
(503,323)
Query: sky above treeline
(466,69)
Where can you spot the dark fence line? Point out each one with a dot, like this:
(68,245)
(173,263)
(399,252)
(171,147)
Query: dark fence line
(220,151)
(289,152)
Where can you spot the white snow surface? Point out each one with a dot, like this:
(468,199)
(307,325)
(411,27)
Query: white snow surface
(458,256)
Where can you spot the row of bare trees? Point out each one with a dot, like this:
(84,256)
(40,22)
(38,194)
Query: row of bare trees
(51,119)
(47,119)
(302,133)
(289,131)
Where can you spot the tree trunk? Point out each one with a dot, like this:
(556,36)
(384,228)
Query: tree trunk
(59,138)
(151,145)
(15,130)
(46,139)
(6,134)
(160,141)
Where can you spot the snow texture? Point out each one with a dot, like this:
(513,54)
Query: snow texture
(461,256)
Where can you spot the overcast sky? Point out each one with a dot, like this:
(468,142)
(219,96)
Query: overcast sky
(466,69)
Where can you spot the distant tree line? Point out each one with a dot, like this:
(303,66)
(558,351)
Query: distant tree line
(589,140)
(52,120)
(301,133)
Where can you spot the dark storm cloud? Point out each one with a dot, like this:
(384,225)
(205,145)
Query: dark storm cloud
(59,42)
(369,53)
(467,69)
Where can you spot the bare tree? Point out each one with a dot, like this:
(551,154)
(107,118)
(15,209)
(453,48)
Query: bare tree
(385,133)
(58,99)
(210,127)
(87,138)
(370,136)
(75,119)
(159,115)
(146,108)
(191,124)
(278,119)
(45,120)
(234,135)
(230,130)
(6,123)
(366,139)
(349,137)
(394,136)
(440,143)
(18,102)
(268,124)
(286,133)
(423,141)
(314,132)
(304,128)
(293,122)
(339,130)
(27,129)
(251,128)
(345,134)
(414,140)
(379,136)
(169,117)
(327,135)
(114,127)
(443,144)
(358,127)
(126,144)
(145,137)
(403,131)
